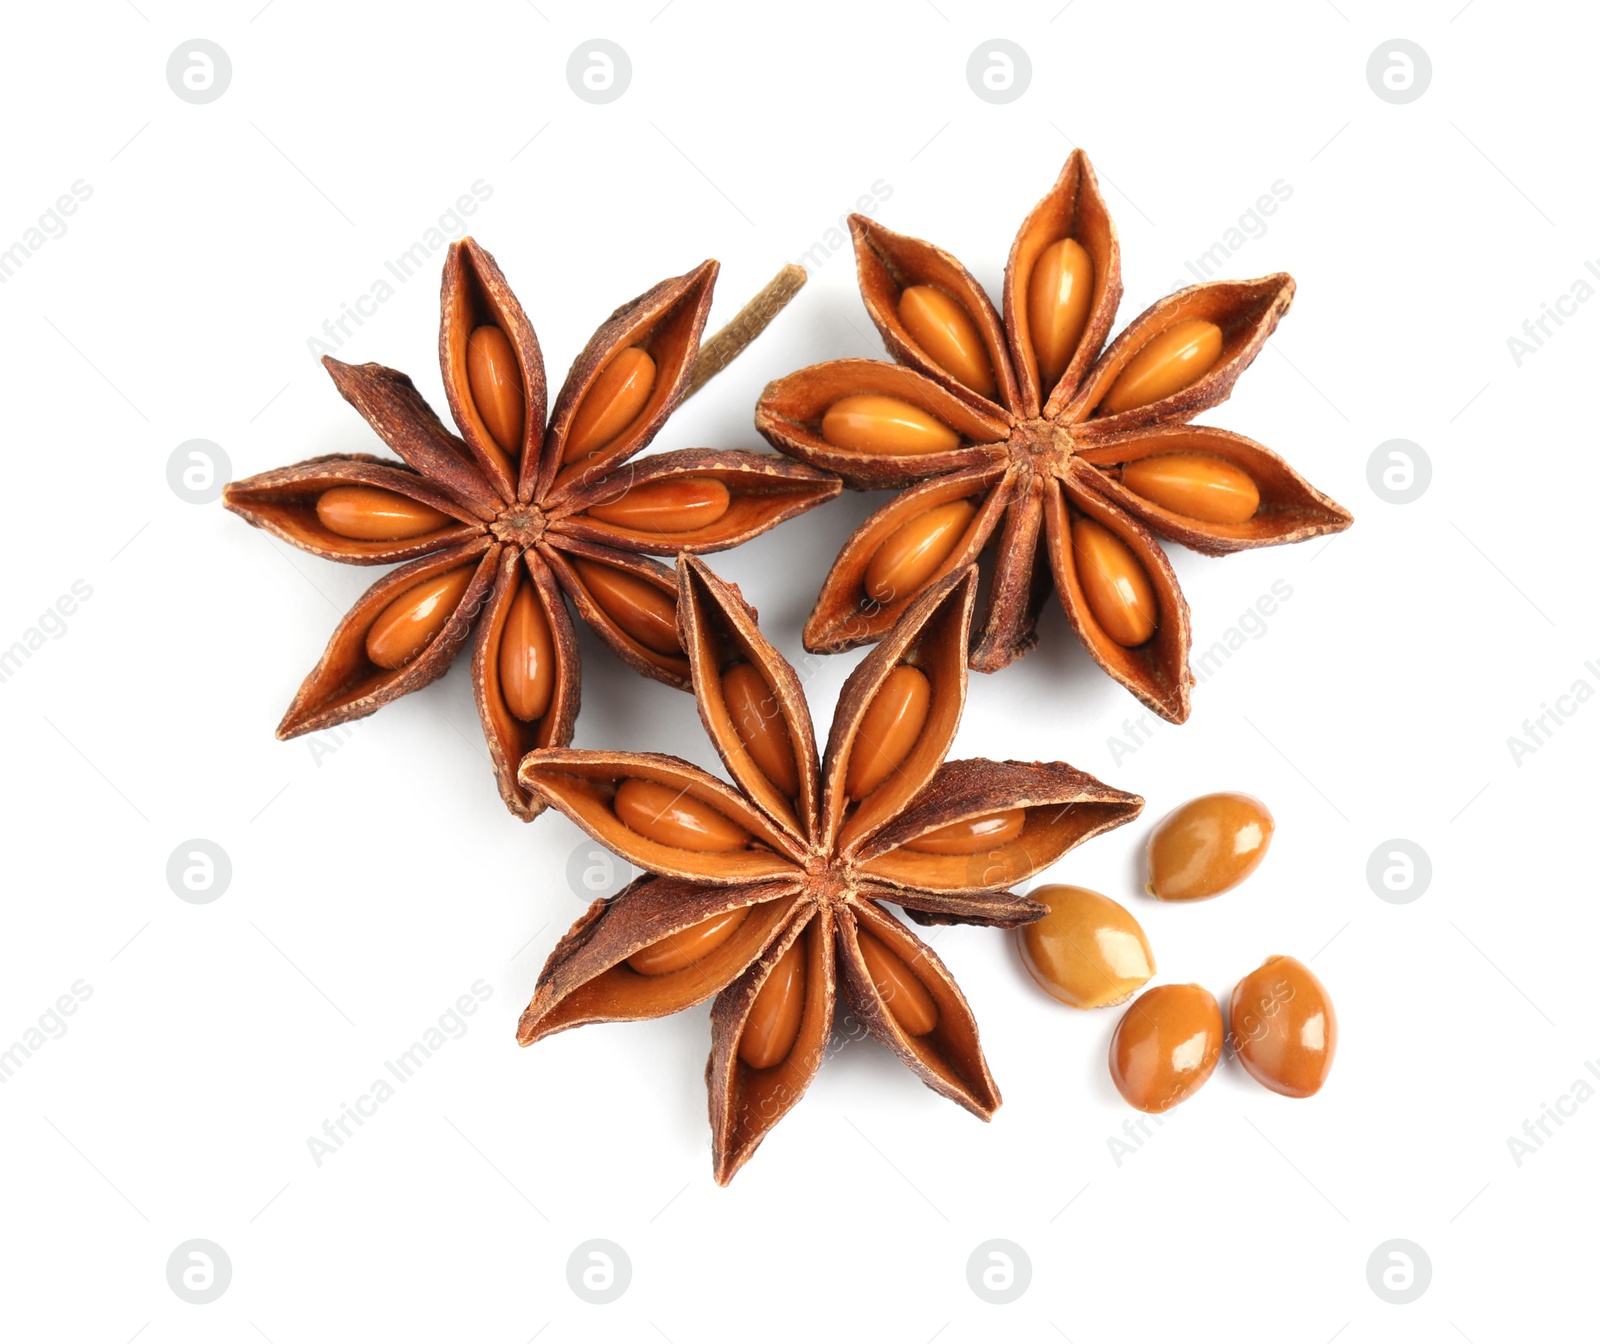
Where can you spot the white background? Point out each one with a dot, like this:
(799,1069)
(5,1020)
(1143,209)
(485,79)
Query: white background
(375,876)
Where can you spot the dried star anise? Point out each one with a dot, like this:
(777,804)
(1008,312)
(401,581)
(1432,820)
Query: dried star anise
(499,522)
(1012,430)
(769,893)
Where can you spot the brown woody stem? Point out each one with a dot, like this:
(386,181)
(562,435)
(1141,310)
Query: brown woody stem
(750,321)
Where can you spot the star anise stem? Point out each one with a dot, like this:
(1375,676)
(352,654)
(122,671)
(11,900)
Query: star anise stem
(749,322)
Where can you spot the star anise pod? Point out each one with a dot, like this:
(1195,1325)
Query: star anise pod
(498,523)
(771,894)
(1012,431)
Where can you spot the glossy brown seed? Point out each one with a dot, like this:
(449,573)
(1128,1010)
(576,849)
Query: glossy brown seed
(869,423)
(406,626)
(1208,845)
(774,1021)
(612,404)
(527,658)
(908,999)
(1167,363)
(971,834)
(1087,951)
(495,380)
(889,729)
(1166,1046)
(368,513)
(1059,291)
(757,719)
(1115,585)
(1196,486)
(671,504)
(910,556)
(948,335)
(669,816)
(687,946)
(1282,1025)
(641,609)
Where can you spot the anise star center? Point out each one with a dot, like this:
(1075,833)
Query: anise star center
(1045,446)
(520,525)
(830,884)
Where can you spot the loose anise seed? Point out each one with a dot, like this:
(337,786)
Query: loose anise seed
(1115,585)
(1059,291)
(1166,1046)
(1282,1024)
(906,996)
(688,946)
(1207,846)
(942,327)
(1166,363)
(404,627)
(1195,486)
(527,658)
(971,834)
(672,504)
(911,555)
(1088,951)
(774,1021)
(669,816)
(889,729)
(495,380)
(756,718)
(869,423)
(612,403)
(369,513)
(639,608)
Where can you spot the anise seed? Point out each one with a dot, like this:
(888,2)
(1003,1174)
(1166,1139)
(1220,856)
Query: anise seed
(889,729)
(869,423)
(687,946)
(406,626)
(667,815)
(495,381)
(1195,486)
(1114,584)
(671,504)
(1167,363)
(1059,293)
(943,328)
(371,513)
(910,556)
(612,403)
